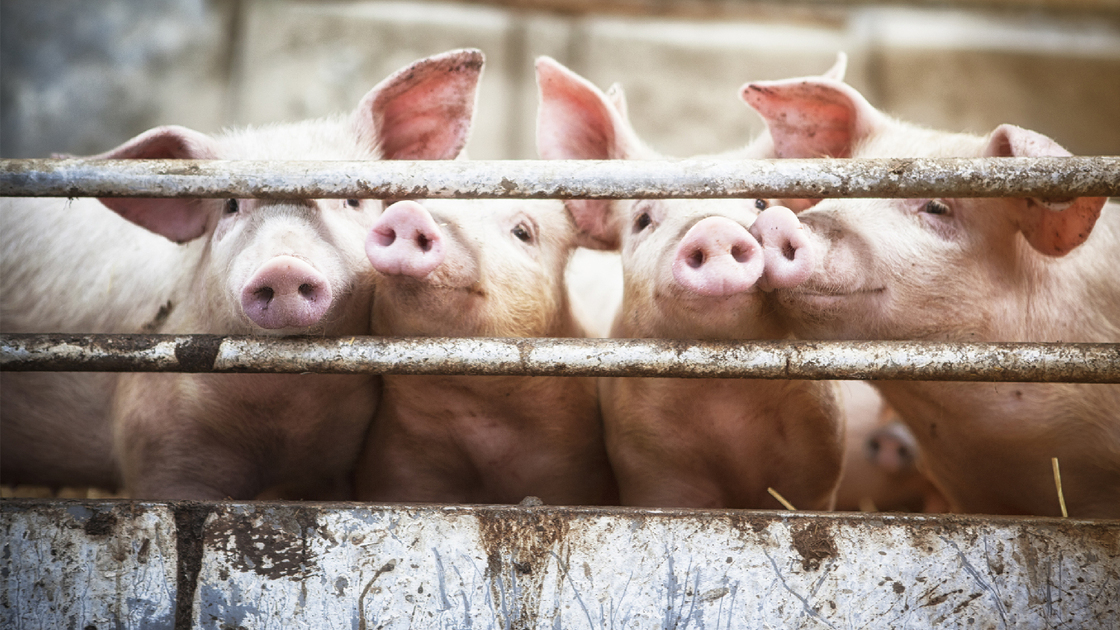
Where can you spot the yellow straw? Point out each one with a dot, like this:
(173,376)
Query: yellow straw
(1058,484)
(782,500)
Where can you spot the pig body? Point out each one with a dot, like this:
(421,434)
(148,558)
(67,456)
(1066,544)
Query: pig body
(991,269)
(695,270)
(56,428)
(480,268)
(234,266)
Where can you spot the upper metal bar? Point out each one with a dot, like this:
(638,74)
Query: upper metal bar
(1053,177)
(865,360)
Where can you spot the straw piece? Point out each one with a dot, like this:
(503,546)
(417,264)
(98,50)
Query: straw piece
(1058,484)
(781,499)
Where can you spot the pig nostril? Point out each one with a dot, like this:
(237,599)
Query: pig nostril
(424,242)
(740,254)
(307,290)
(264,293)
(695,259)
(789,252)
(873,444)
(386,238)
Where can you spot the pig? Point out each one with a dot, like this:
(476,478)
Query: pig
(232,266)
(967,269)
(695,269)
(455,268)
(883,467)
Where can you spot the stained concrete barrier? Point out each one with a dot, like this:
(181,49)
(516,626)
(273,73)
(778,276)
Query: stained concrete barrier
(84,564)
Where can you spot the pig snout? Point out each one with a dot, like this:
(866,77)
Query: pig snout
(718,257)
(786,249)
(892,448)
(405,241)
(286,293)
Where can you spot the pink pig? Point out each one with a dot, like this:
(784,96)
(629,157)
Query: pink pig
(988,269)
(480,268)
(696,270)
(234,266)
(883,467)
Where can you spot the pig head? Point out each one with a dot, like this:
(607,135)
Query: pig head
(962,269)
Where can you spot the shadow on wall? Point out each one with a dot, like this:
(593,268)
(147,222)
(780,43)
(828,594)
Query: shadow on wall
(81,77)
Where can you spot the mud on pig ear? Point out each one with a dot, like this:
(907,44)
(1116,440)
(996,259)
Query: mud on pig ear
(813,117)
(1052,226)
(179,220)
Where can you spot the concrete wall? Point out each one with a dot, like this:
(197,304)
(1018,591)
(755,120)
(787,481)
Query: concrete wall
(81,77)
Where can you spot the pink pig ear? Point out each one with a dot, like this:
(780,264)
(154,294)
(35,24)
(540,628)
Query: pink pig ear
(577,121)
(423,111)
(1052,226)
(813,117)
(179,220)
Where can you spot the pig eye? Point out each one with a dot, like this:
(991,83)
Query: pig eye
(935,207)
(522,233)
(232,206)
(643,221)
(761,204)
(353,203)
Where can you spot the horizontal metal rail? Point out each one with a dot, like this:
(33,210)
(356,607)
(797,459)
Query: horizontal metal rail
(1054,177)
(865,360)
(727,9)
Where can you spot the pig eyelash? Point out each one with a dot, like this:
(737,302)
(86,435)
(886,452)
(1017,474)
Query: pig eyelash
(642,222)
(232,206)
(934,206)
(523,233)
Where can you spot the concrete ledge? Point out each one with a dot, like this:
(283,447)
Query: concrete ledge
(264,565)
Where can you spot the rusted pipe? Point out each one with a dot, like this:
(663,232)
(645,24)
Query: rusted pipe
(1054,177)
(867,360)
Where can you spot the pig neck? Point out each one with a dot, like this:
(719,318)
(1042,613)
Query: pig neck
(723,442)
(720,442)
(501,437)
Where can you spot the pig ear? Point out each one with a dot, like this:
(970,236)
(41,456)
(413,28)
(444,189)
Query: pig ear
(423,111)
(812,117)
(1052,226)
(577,121)
(179,220)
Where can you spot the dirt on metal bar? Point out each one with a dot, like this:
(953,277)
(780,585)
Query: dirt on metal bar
(864,360)
(1049,177)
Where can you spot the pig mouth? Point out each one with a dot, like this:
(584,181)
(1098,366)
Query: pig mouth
(830,295)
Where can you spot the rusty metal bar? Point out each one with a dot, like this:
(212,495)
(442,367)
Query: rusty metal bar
(730,9)
(1055,177)
(865,360)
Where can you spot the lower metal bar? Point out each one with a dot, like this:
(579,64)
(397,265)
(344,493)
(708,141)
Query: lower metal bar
(863,360)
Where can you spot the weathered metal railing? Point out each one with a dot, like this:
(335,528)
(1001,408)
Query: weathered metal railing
(865,360)
(1055,177)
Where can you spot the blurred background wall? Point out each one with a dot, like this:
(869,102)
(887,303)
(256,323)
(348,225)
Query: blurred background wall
(81,77)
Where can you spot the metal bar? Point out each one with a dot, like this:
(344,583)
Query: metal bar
(1054,177)
(729,9)
(864,360)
